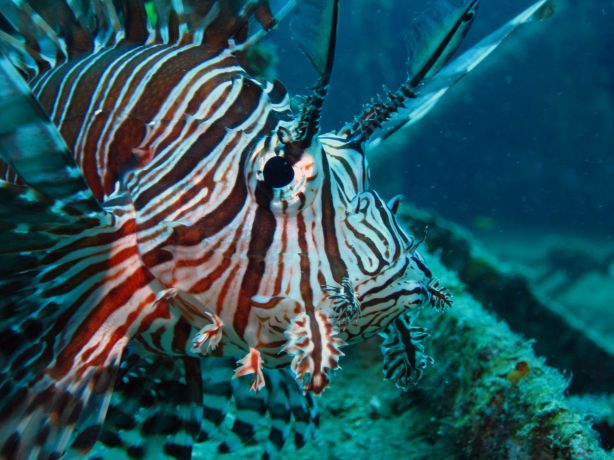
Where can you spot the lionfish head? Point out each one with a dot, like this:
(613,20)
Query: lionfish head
(370,267)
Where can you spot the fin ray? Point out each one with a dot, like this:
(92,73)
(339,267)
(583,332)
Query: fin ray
(33,147)
(432,90)
(67,315)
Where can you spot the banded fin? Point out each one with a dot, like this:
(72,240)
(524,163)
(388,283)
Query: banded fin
(287,407)
(155,410)
(163,404)
(24,213)
(37,47)
(31,224)
(243,24)
(34,149)
(218,24)
(409,109)
(60,349)
(8,174)
(404,357)
(39,35)
(249,409)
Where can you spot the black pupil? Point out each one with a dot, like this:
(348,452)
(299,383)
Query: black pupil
(278,172)
(468,17)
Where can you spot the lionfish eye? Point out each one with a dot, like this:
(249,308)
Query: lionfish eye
(278,172)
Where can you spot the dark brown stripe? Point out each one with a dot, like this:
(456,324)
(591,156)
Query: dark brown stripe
(210,277)
(82,97)
(338,268)
(218,219)
(307,294)
(262,234)
(349,171)
(184,195)
(398,274)
(281,274)
(394,296)
(99,239)
(372,248)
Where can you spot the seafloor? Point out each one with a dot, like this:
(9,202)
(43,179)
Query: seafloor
(492,393)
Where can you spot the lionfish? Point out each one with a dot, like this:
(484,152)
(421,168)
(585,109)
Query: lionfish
(178,242)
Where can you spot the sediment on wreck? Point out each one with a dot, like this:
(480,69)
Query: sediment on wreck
(498,399)
(511,296)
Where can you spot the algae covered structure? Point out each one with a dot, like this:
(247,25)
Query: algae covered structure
(488,395)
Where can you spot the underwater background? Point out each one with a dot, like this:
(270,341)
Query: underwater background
(513,173)
(511,181)
(529,135)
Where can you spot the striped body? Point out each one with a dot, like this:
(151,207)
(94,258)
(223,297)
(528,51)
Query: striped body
(177,241)
(185,133)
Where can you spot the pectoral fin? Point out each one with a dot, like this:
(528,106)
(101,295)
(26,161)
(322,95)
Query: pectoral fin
(316,349)
(404,357)
(251,364)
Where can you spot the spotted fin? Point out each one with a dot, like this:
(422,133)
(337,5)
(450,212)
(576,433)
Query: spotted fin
(404,357)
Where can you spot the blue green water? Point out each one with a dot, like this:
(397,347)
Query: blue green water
(526,139)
